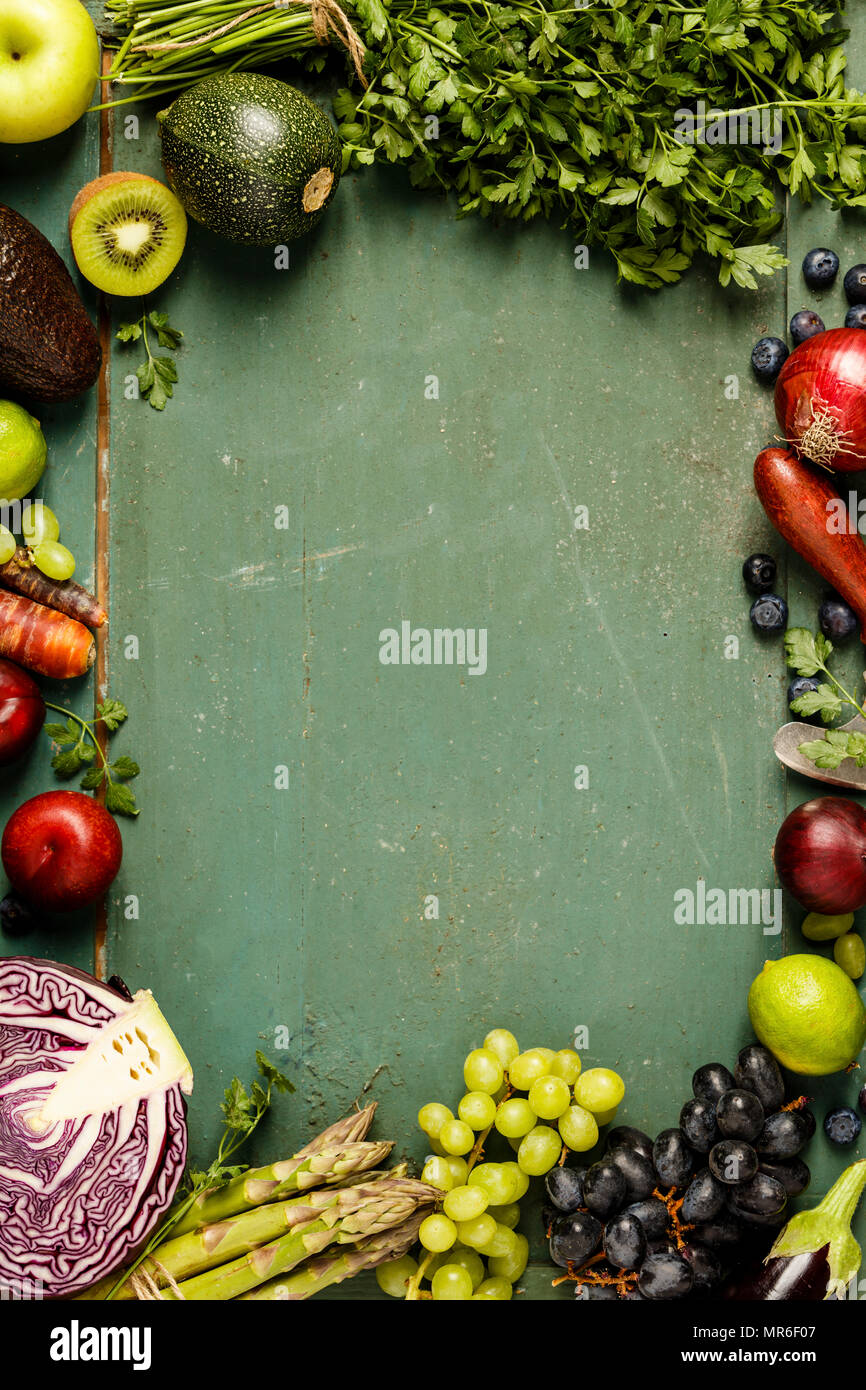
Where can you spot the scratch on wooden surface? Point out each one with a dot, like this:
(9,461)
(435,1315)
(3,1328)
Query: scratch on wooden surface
(659,751)
(268,571)
(723,766)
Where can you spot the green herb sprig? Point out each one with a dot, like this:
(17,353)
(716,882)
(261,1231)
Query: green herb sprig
(156,375)
(807,654)
(79,747)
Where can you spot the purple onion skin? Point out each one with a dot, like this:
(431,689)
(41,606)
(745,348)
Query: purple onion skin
(820,855)
(785,1278)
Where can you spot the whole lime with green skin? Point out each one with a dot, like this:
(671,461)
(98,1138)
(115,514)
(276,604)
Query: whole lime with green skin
(250,157)
(806,1010)
(23,452)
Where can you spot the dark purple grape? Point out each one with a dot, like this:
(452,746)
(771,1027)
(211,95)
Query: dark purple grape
(704,1199)
(724,1232)
(574,1238)
(624,1241)
(733,1161)
(754,1221)
(711,1081)
(627,1137)
(705,1267)
(665,1245)
(673,1159)
(782,1136)
(740,1115)
(549,1214)
(564,1188)
(639,1173)
(665,1277)
(761,1196)
(792,1174)
(604,1189)
(652,1215)
(808,1118)
(757,1070)
(596,1293)
(698,1124)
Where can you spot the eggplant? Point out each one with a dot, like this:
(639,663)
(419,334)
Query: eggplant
(815,1256)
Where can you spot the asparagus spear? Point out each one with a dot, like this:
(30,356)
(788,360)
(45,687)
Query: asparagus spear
(353,1213)
(332,1155)
(336,1265)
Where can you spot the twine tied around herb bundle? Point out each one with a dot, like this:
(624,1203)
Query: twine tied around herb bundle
(327,16)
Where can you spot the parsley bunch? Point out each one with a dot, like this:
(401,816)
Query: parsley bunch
(156,375)
(567,111)
(79,747)
(808,655)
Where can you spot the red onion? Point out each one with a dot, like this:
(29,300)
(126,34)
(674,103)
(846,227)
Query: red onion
(821,399)
(92,1126)
(820,855)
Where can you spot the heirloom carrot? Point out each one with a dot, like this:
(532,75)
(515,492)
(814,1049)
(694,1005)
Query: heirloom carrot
(20,575)
(43,640)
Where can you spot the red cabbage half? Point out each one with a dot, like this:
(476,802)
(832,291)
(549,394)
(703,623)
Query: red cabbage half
(92,1125)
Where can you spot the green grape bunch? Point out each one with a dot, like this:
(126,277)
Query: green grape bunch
(543,1105)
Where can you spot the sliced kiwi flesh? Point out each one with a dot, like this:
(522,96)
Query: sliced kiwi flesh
(128,232)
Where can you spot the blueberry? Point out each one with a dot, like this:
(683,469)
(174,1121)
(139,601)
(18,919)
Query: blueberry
(855,285)
(805,324)
(837,620)
(16,918)
(759,572)
(768,356)
(856,316)
(842,1125)
(820,267)
(802,685)
(769,613)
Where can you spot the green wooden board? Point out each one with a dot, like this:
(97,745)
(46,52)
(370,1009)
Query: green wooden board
(293,919)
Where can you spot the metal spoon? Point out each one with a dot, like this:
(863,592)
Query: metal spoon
(786,747)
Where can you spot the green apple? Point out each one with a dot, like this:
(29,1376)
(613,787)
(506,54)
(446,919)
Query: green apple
(49,66)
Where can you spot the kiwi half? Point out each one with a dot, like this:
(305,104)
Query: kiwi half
(128,232)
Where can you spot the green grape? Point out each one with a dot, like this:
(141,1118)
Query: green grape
(519,1180)
(498,1289)
(465,1203)
(502,1242)
(38,523)
(469,1260)
(566,1064)
(515,1117)
(456,1137)
(8,545)
(498,1184)
(482,1071)
(451,1283)
(476,1232)
(578,1128)
(599,1089)
(546,1052)
(849,953)
(477,1110)
(54,560)
(549,1097)
(604,1117)
(539,1151)
(504,1044)
(459,1170)
(393,1277)
(437,1233)
(512,1266)
(432,1116)
(528,1067)
(437,1172)
(508,1215)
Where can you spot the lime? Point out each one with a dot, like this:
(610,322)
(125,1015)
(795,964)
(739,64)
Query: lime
(805,1009)
(22,452)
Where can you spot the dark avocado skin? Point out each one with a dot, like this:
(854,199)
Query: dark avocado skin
(238,151)
(49,349)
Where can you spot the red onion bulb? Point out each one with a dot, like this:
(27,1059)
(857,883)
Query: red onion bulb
(821,399)
(820,855)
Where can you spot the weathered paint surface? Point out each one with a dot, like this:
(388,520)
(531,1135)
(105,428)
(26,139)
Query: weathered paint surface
(311,485)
